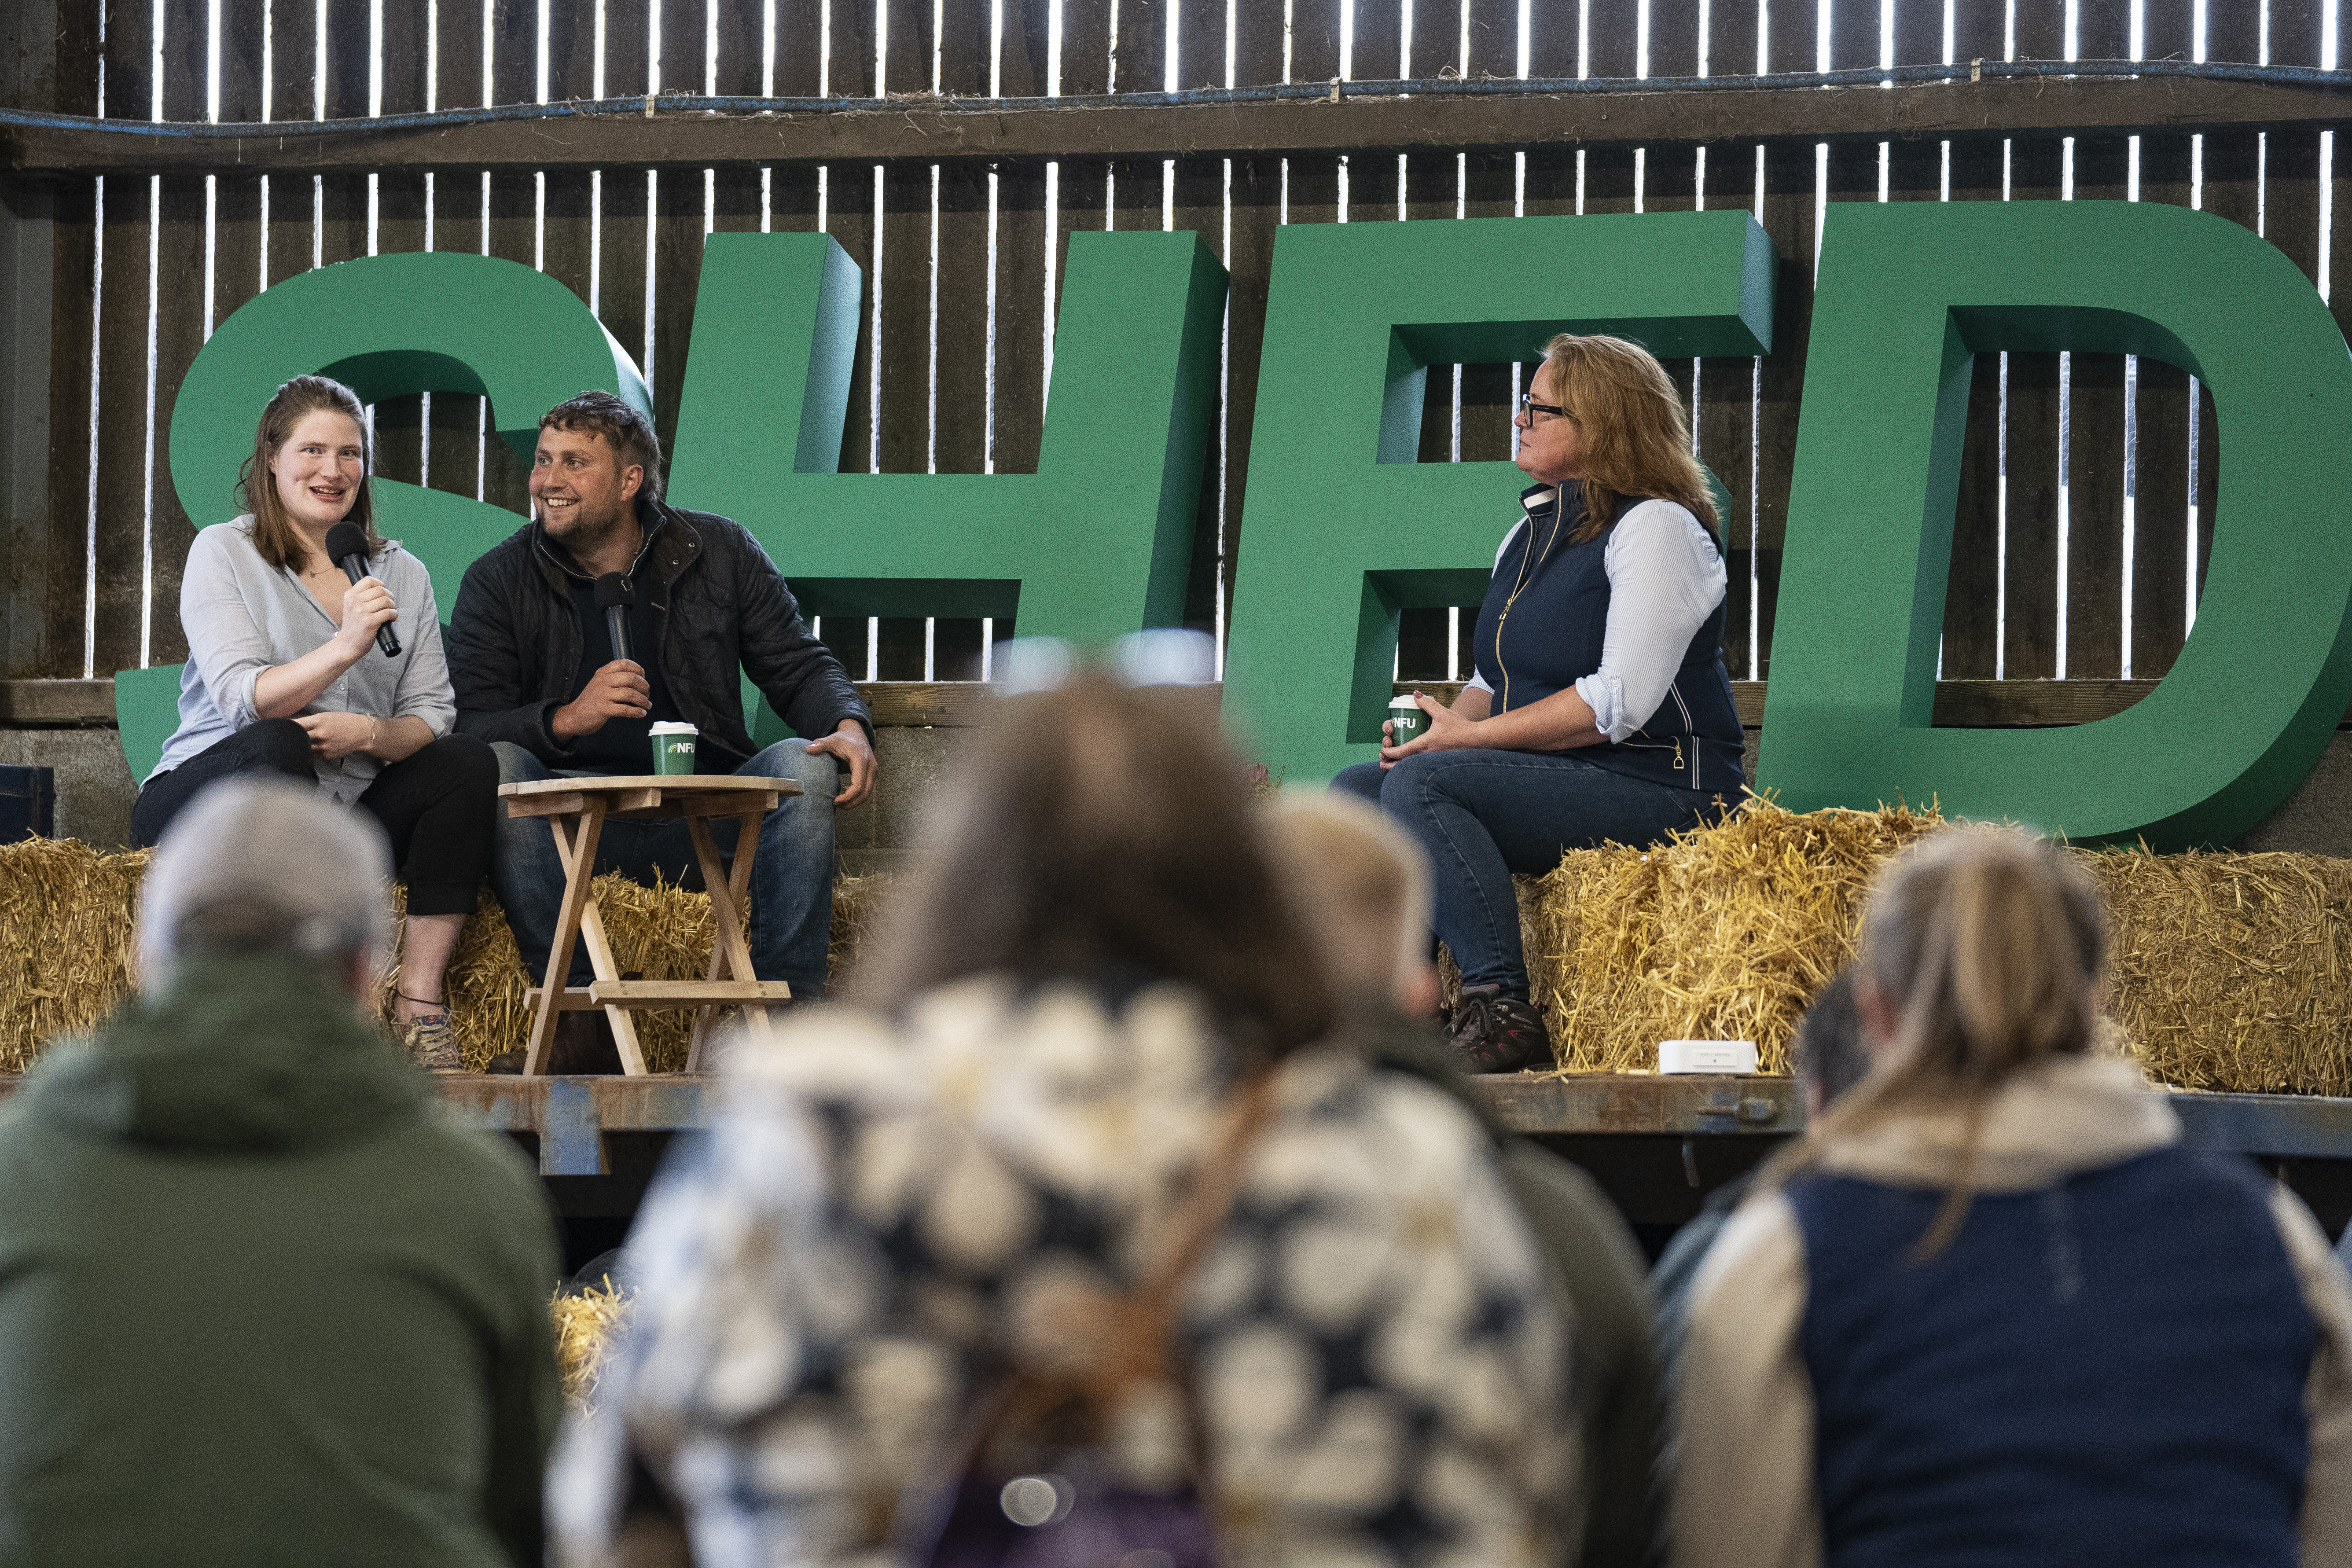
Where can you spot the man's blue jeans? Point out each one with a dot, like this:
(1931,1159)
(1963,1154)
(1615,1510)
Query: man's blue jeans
(792,875)
(1483,814)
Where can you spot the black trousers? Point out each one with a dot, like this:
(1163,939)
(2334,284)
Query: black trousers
(434,805)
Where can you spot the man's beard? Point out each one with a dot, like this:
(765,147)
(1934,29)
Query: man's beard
(584,533)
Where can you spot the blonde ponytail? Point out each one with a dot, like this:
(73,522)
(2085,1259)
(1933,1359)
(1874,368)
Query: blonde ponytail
(1987,944)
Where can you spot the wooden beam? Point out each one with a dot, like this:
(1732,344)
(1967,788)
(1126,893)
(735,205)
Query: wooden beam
(57,704)
(1369,118)
(914,704)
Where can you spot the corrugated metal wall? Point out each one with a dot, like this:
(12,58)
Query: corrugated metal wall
(2087,491)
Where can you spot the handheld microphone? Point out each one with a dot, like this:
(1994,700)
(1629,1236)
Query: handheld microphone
(347,548)
(614,596)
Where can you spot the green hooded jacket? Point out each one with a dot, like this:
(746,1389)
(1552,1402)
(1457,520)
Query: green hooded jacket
(258,1303)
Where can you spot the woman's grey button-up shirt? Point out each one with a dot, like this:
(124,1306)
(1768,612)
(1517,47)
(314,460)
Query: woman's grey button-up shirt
(242,616)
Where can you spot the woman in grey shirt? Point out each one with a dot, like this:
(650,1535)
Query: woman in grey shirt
(284,676)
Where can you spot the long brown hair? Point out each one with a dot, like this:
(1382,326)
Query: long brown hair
(1634,438)
(274,534)
(1094,833)
(1988,946)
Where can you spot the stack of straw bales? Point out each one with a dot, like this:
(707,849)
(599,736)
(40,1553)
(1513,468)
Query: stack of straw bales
(2229,972)
(66,943)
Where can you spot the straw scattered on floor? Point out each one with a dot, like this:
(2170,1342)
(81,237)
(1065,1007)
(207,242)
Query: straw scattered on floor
(588,1325)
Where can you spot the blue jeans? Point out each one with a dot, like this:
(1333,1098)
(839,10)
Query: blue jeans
(792,875)
(1483,814)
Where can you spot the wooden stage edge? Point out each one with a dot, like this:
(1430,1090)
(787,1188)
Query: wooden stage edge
(568,1117)
(901,704)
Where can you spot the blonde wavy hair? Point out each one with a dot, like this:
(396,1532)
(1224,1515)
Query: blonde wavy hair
(1635,438)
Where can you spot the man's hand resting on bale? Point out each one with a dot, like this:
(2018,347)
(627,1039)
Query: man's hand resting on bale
(618,690)
(848,744)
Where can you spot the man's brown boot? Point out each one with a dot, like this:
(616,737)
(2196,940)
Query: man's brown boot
(584,1043)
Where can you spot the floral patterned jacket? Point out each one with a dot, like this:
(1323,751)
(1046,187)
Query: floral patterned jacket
(884,1218)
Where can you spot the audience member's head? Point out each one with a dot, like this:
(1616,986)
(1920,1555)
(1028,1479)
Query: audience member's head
(1980,955)
(1980,958)
(1830,1055)
(1102,831)
(1362,890)
(258,865)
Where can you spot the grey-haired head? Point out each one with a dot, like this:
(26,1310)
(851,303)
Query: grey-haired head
(266,866)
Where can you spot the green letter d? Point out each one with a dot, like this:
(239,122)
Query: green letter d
(1908,293)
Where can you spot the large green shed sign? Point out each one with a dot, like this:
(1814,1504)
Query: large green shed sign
(1345,529)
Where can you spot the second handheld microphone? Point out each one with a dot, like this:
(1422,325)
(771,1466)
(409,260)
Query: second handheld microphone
(615,597)
(347,548)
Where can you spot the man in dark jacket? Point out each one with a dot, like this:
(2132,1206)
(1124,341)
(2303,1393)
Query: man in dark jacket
(538,676)
(259,1304)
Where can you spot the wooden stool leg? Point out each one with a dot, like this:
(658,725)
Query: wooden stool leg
(756,1019)
(606,967)
(706,1017)
(575,847)
(728,950)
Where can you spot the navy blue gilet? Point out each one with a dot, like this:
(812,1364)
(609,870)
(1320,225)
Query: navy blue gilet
(1540,631)
(2107,1371)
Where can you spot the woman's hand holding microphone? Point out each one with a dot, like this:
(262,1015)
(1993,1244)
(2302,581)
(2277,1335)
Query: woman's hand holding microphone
(367,604)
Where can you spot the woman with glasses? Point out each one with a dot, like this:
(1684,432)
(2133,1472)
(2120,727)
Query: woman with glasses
(1601,710)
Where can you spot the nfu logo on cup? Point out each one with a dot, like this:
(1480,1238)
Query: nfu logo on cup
(673,748)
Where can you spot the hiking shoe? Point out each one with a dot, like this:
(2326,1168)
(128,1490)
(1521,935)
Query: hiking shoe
(432,1044)
(1494,1033)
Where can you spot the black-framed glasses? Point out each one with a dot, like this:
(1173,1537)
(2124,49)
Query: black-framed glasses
(1529,406)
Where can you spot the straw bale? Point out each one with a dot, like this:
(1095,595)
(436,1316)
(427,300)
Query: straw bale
(2226,971)
(663,931)
(1720,933)
(66,941)
(2233,972)
(588,1325)
(67,923)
